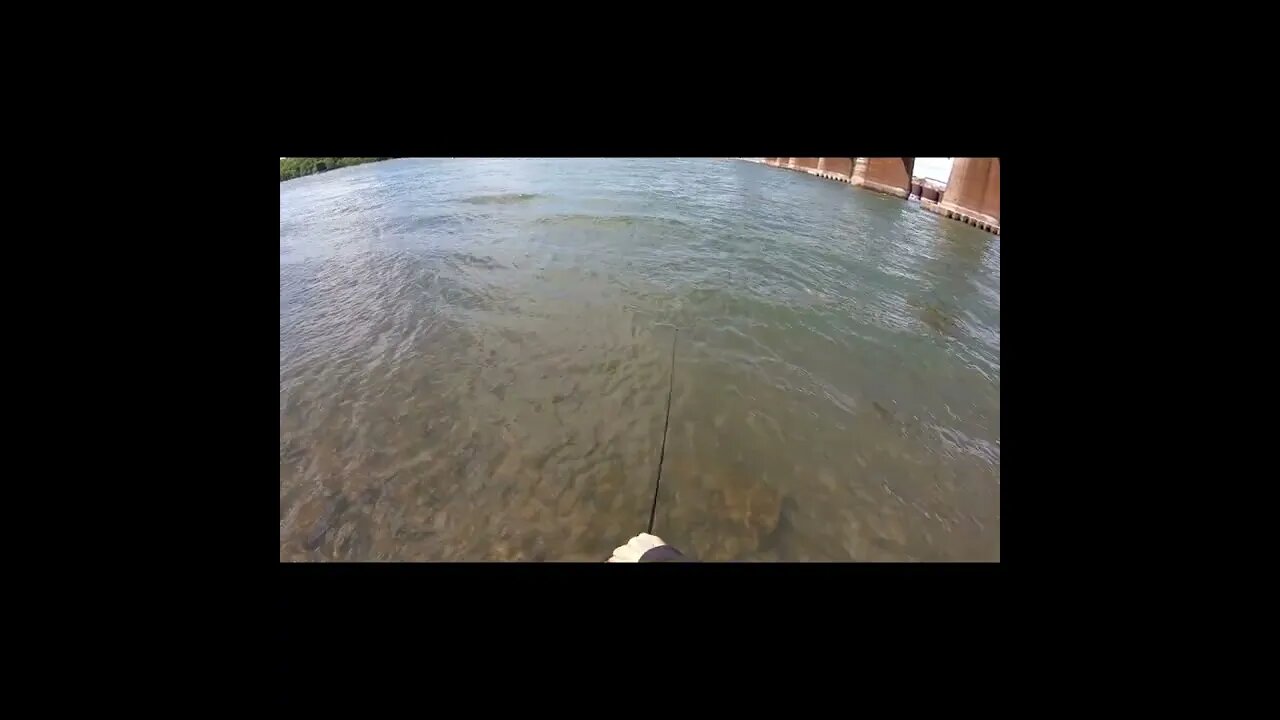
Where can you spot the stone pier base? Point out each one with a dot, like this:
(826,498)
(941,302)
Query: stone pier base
(833,176)
(886,189)
(982,222)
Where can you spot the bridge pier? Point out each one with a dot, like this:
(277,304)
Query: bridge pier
(836,168)
(973,193)
(891,176)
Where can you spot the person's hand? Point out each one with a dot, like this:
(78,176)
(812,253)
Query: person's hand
(636,547)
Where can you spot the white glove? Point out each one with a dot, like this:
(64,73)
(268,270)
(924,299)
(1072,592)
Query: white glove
(636,547)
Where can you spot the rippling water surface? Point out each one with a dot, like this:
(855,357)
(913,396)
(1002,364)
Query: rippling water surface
(474,363)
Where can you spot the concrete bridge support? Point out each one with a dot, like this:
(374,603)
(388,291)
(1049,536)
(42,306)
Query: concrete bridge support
(973,193)
(887,175)
(836,168)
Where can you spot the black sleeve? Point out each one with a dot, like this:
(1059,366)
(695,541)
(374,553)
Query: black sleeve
(664,553)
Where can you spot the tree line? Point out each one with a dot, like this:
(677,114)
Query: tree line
(297,167)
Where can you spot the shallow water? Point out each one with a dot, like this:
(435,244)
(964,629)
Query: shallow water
(475,357)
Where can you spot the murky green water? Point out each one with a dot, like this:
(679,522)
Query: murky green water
(474,360)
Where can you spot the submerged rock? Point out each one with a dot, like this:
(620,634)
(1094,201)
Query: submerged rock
(730,522)
(758,507)
(317,516)
(344,535)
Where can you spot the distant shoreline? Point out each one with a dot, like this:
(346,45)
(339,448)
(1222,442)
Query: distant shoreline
(291,168)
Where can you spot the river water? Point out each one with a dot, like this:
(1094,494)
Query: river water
(475,357)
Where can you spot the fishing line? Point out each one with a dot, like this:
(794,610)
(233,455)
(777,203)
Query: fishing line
(663,452)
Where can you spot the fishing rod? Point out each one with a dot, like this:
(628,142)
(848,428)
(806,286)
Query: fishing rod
(663,451)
